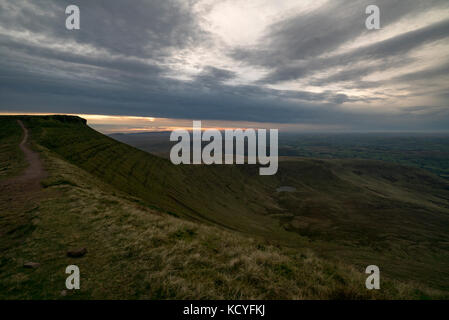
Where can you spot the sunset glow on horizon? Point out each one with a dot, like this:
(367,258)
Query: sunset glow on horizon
(108,124)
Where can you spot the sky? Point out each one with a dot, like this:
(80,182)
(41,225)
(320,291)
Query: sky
(290,64)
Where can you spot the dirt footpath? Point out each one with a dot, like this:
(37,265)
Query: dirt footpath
(20,195)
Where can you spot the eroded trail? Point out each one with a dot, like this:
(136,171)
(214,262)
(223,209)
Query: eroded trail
(30,178)
(35,172)
(20,195)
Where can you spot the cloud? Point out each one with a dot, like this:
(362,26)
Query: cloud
(143,29)
(211,74)
(293,59)
(162,59)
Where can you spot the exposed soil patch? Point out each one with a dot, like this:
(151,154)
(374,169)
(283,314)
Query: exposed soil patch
(19,196)
(29,180)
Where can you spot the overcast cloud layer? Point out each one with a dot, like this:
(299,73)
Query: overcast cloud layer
(303,61)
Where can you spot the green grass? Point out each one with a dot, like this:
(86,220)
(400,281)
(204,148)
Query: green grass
(214,195)
(139,253)
(11,158)
(368,211)
(235,237)
(422,150)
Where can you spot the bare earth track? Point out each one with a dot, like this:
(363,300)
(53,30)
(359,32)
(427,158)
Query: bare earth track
(30,179)
(19,195)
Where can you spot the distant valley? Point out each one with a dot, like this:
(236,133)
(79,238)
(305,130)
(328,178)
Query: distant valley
(350,212)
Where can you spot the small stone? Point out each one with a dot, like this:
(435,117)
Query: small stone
(32,265)
(77,253)
(63,293)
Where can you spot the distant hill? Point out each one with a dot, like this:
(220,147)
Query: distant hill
(350,212)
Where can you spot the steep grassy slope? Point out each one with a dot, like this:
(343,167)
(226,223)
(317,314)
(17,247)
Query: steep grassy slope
(220,194)
(137,252)
(363,212)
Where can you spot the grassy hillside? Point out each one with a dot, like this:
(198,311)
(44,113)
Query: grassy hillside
(366,211)
(216,195)
(138,252)
(349,212)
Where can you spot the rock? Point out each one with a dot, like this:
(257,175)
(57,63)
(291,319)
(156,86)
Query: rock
(77,253)
(31,265)
(63,293)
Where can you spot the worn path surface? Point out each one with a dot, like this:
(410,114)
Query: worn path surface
(20,195)
(29,179)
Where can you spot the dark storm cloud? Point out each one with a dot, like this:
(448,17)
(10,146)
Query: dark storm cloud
(391,51)
(321,31)
(147,96)
(140,87)
(53,57)
(139,28)
(424,80)
(212,75)
(425,75)
(125,48)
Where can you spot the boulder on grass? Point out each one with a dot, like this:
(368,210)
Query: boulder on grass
(31,265)
(77,253)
